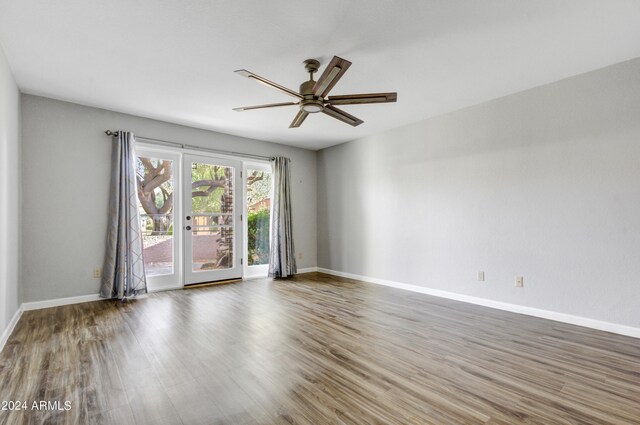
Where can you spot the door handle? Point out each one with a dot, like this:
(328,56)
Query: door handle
(188,227)
(188,217)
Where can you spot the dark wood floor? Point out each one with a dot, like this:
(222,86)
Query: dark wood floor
(316,350)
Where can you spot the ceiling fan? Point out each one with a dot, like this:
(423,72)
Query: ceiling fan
(313,97)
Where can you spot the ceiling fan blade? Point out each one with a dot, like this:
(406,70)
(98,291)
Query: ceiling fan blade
(268,83)
(268,105)
(342,115)
(354,99)
(299,119)
(332,73)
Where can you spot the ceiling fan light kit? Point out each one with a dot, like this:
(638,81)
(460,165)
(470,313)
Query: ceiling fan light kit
(312,106)
(313,95)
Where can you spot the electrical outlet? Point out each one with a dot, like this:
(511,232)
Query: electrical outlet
(480,276)
(519,281)
(97,273)
(300,256)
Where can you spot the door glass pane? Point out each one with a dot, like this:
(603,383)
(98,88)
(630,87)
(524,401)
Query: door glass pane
(212,209)
(155,206)
(259,203)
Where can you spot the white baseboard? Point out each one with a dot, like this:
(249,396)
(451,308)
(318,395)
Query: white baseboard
(308,270)
(37,305)
(10,327)
(514,308)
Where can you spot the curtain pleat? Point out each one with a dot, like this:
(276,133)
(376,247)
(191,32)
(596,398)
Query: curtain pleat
(282,261)
(123,273)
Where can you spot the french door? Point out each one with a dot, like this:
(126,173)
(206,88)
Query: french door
(190,210)
(211,219)
(201,221)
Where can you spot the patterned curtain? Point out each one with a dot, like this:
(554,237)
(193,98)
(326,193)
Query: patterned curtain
(282,260)
(123,272)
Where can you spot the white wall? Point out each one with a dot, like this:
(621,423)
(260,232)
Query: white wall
(66,180)
(543,184)
(9,195)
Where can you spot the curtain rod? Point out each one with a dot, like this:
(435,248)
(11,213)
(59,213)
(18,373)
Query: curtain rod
(183,146)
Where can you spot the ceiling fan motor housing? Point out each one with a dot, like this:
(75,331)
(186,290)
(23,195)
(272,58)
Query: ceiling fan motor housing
(310,103)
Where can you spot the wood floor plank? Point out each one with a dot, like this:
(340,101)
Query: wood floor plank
(314,349)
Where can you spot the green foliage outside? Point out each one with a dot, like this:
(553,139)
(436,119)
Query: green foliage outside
(210,203)
(258,233)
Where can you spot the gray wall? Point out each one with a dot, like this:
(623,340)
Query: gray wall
(543,184)
(9,194)
(66,179)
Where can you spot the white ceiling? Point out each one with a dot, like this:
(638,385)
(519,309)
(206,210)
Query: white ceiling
(174,60)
